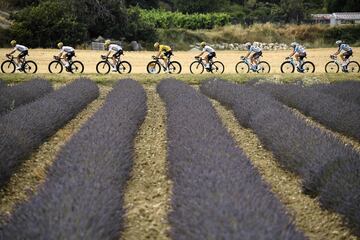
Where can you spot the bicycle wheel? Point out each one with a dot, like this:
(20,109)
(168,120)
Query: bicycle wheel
(217,67)
(153,67)
(242,67)
(196,68)
(287,67)
(332,67)
(55,67)
(124,67)
(103,67)
(76,67)
(264,67)
(353,67)
(8,67)
(30,67)
(175,67)
(308,67)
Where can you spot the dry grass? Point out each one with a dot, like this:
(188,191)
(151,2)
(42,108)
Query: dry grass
(139,60)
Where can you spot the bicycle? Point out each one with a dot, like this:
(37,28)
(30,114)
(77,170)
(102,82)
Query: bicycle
(198,66)
(9,66)
(154,67)
(334,66)
(104,67)
(244,66)
(57,66)
(289,66)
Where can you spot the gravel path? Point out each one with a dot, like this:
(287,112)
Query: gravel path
(33,172)
(308,215)
(147,198)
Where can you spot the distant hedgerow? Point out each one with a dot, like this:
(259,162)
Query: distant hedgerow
(167,19)
(327,167)
(83,193)
(23,93)
(25,128)
(217,193)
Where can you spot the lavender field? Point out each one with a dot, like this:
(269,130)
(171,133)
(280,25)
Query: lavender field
(80,159)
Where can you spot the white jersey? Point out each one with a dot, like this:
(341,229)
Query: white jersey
(208,49)
(20,48)
(255,49)
(300,49)
(114,47)
(67,49)
(345,47)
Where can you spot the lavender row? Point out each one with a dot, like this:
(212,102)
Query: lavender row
(328,168)
(23,93)
(338,115)
(25,128)
(345,90)
(83,194)
(2,84)
(217,193)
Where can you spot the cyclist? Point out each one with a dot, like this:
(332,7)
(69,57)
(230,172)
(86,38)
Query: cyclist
(256,52)
(345,52)
(23,52)
(116,50)
(210,54)
(67,52)
(300,53)
(164,52)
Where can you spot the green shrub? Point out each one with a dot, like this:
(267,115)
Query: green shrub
(167,19)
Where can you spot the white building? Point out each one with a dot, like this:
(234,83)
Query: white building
(337,18)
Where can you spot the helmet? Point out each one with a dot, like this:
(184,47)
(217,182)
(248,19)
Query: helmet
(338,42)
(256,44)
(107,42)
(156,45)
(13,43)
(248,45)
(203,44)
(60,45)
(294,44)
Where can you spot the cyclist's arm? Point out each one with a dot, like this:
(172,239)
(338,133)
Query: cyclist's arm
(158,55)
(249,52)
(12,52)
(61,53)
(292,54)
(337,52)
(202,53)
(108,53)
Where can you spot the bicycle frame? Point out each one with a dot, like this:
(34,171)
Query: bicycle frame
(203,63)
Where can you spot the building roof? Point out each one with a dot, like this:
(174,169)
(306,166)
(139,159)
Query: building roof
(351,16)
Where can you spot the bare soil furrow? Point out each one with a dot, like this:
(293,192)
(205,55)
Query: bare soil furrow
(32,173)
(306,211)
(147,198)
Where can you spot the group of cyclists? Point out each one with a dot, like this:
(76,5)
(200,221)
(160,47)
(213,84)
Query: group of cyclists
(165,52)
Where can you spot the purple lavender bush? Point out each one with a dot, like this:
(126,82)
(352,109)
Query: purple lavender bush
(23,93)
(83,192)
(27,127)
(217,192)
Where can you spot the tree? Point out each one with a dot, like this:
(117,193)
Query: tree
(147,4)
(342,5)
(293,10)
(46,24)
(201,6)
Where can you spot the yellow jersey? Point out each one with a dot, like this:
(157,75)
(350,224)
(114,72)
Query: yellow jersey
(164,48)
